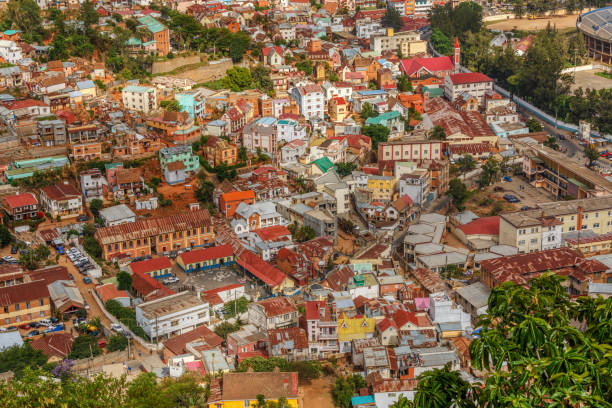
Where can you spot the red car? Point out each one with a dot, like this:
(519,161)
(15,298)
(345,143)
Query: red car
(25,327)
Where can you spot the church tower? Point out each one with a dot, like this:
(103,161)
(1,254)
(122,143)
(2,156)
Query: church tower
(457,60)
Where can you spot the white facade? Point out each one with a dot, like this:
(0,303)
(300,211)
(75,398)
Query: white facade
(288,130)
(172,315)
(422,7)
(291,152)
(367,29)
(416,186)
(551,237)
(10,52)
(477,89)
(332,90)
(139,98)
(287,31)
(310,100)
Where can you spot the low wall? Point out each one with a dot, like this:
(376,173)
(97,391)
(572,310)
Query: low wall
(498,17)
(174,63)
(587,68)
(103,359)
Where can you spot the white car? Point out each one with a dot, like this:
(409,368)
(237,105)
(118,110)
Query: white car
(116,327)
(171,279)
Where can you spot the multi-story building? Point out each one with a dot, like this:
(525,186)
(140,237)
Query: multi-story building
(531,230)
(139,98)
(323,223)
(20,206)
(291,152)
(415,185)
(366,29)
(193,101)
(254,216)
(218,151)
(156,235)
(61,200)
(288,130)
(382,187)
(564,261)
(172,315)
(409,42)
(229,202)
(562,177)
(158,33)
(10,52)
(407,150)
(472,83)
(52,132)
(310,100)
(93,184)
(261,134)
(244,389)
(321,328)
(80,133)
(24,303)
(86,151)
(273,313)
(181,153)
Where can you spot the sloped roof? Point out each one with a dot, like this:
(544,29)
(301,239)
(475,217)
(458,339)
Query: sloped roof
(481,226)
(207,254)
(268,274)
(151,265)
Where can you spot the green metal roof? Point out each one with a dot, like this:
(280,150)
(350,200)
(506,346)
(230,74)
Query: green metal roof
(576,182)
(133,41)
(324,163)
(152,24)
(378,120)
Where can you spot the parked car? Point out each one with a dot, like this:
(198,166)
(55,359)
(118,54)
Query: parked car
(71,277)
(498,188)
(116,327)
(53,329)
(86,280)
(54,320)
(511,198)
(525,208)
(507,178)
(82,218)
(11,328)
(170,279)
(14,250)
(45,322)
(35,325)
(25,327)
(33,333)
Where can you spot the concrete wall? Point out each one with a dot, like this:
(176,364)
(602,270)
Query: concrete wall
(171,64)
(589,67)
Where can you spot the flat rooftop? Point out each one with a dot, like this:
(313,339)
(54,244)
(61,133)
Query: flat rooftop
(170,305)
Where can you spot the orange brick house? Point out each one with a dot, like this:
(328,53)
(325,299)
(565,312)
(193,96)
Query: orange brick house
(229,202)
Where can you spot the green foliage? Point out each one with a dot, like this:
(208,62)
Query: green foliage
(345,168)
(458,192)
(238,79)
(346,225)
(243,154)
(95,206)
(124,281)
(307,370)
(456,21)
(224,172)
(377,133)
(533,125)
(305,66)
(301,233)
(392,19)
(438,133)
(38,388)
(345,388)
(24,15)
(261,78)
(551,142)
(239,44)
(442,388)
(592,154)
(90,244)
(33,257)
(237,306)
(404,84)
(125,316)
(367,111)
(441,42)
(466,163)
(17,358)
(171,105)
(225,328)
(117,342)
(490,172)
(85,346)
(5,236)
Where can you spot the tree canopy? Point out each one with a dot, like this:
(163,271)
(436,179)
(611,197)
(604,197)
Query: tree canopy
(392,19)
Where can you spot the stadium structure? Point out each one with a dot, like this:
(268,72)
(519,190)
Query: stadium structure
(596,26)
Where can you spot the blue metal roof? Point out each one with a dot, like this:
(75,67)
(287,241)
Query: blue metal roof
(266,120)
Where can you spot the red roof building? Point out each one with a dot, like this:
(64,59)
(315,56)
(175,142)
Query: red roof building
(57,345)
(21,206)
(177,345)
(201,259)
(418,67)
(468,78)
(156,268)
(148,288)
(272,277)
(110,292)
(229,202)
(481,226)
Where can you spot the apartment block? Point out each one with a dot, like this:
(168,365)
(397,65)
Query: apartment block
(139,98)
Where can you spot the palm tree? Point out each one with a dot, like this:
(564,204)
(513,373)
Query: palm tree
(442,388)
(402,402)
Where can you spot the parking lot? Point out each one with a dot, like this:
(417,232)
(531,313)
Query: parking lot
(211,279)
(528,194)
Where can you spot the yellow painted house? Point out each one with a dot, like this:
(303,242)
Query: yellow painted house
(240,390)
(382,187)
(354,328)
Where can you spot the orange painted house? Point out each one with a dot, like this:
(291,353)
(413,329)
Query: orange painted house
(229,202)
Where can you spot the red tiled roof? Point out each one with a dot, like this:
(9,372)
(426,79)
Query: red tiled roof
(339,100)
(54,344)
(296,336)
(151,265)
(212,298)
(483,226)
(199,255)
(469,78)
(177,344)
(148,287)
(268,274)
(24,292)
(401,317)
(313,308)
(266,50)
(337,280)
(25,103)
(277,306)
(109,291)
(434,64)
(471,148)
(20,200)
(49,274)
(272,233)
(225,288)
(385,324)
(61,191)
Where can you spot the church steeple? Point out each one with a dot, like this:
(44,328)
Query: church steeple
(457,60)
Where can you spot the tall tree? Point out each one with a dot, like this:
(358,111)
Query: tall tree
(392,19)
(25,16)
(438,133)
(458,193)
(592,154)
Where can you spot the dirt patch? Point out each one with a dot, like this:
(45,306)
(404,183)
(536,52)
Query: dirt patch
(317,393)
(207,73)
(488,205)
(346,243)
(560,22)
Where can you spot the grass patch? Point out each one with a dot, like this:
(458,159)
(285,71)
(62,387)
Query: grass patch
(215,85)
(606,75)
